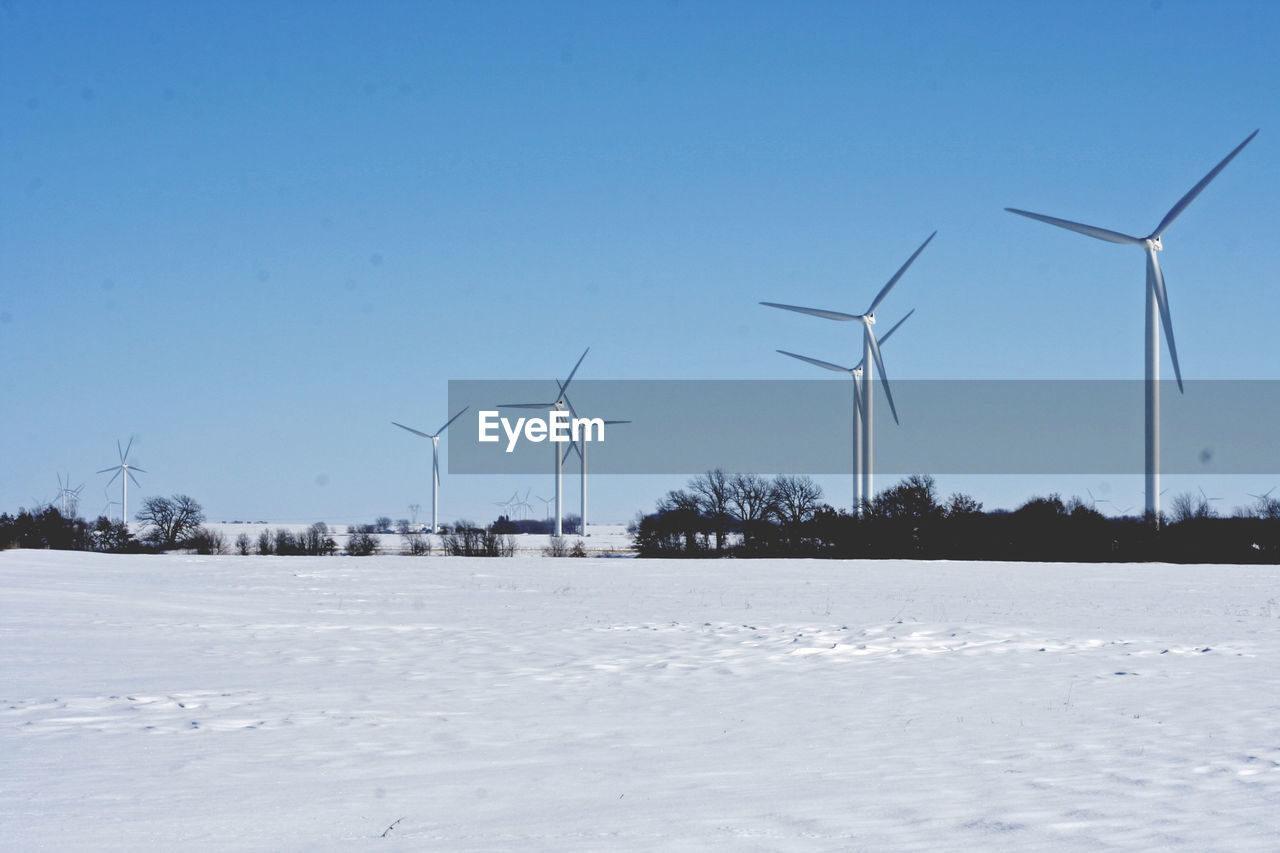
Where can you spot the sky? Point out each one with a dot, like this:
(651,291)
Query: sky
(251,236)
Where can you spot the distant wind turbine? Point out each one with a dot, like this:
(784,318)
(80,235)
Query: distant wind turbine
(870,352)
(1157,314)
(856,374)
(127,470)
(559,405)
(70,497)
(435,463)
(580,447)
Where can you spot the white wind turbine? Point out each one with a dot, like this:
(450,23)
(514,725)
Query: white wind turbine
(513,501)
(127,470)
(870,352)
(70,497)
(435,464)
(580,447)
(855,373)
(1157,315)
(559,405)
(524,506)
(106,510)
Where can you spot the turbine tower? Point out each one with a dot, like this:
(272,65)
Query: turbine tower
(870,352)
(856,374)
(1157,315)
(559,405)
(580,447)
(124,468)
(435,463)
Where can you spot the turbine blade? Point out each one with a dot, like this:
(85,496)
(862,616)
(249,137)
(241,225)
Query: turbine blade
(896,325)
(117,474)
(112,468)
(857,397)
(817,312)
(884,379)
(1155,279)
(607,423)
(127,448)
(1088,230)
(136,468)
(135,479)
(884,291)
(565,386)
(572,411)
(824,364)
(551,405)
(572,448)
(451,420)
(411,429)
(1177,209)
(435,462)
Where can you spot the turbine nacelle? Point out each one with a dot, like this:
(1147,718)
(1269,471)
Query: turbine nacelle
(1154,243)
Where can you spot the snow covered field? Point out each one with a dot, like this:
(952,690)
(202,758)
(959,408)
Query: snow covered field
(308,704)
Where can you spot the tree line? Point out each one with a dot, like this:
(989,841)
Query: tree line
(747,515)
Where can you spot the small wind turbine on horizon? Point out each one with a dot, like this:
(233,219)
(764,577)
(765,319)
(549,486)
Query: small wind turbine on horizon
(127,470)
(856,374)
(513,501)
(106,510)
(523,504)
(1157,314)
(559,405)
(70,497)
(870,353)
(435,464)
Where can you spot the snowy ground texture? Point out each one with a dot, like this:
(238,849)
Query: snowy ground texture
(530,704)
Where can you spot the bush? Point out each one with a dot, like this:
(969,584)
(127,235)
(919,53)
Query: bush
(206,541)
(362,543)
(416,544)
(464,539)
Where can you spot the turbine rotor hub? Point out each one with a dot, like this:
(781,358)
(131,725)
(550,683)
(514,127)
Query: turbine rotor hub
(1154,244)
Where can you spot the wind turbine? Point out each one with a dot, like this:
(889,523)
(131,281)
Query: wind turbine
(1156,316)
(70,497)
(506,505)
(856,374)
(870,351)
(580,447)
(559,405)
(523,504)
(106,510)
(124,468)
(546,505)
(435,463)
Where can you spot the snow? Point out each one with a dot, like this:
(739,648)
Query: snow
(308,704)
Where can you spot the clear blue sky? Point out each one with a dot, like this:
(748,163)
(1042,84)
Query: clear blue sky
(253,234)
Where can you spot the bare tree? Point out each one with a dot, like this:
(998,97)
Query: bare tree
(795,498)
(1187,506)
(173,520)
(712,492)
(751,502)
